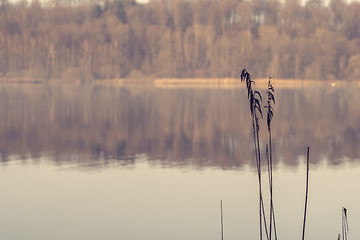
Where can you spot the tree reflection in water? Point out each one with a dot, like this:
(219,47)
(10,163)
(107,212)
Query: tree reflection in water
(102,125)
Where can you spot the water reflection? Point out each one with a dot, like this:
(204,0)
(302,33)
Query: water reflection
(102,125)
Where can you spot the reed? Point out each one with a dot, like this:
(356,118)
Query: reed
(307,191)
(270,100)
(222,221)
(345,225)
(255,99)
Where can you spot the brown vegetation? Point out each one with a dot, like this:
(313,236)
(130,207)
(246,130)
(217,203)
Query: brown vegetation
(113,39)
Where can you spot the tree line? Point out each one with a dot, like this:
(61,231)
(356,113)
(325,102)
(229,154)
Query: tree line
(112,39)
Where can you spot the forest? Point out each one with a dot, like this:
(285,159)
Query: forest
(115,39)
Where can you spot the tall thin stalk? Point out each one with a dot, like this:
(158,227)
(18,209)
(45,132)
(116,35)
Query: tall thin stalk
(222,221)
(307,190)
(271,99)
(345,226)
(255,110)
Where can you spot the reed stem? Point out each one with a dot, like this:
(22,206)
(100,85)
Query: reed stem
(255,109)
(345,226)
(222,221)
(307,190)
(270,99)
(259,176)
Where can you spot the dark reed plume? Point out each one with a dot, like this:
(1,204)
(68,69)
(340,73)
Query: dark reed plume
(271,99)
(345,225)
(307,190)
(255,99)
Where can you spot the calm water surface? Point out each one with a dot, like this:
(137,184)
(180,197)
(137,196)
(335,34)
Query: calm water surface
(105,162)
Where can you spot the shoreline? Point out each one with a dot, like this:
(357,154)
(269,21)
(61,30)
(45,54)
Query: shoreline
(261,83)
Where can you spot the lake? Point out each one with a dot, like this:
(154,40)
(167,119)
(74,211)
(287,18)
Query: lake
(138,162)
